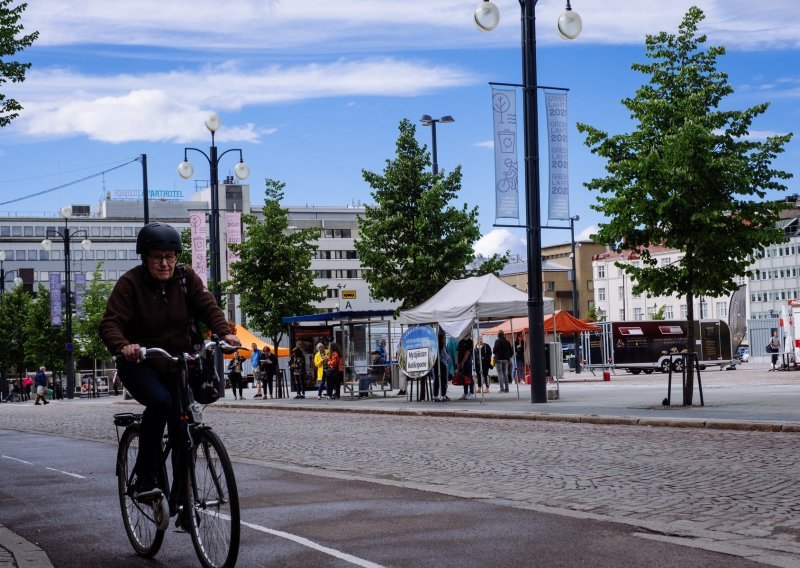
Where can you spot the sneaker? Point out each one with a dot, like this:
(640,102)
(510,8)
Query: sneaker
(486,389)
(46,402)
(437,399)
(445,398)
(401,392)
(462,397)
(257,396)
(146,488)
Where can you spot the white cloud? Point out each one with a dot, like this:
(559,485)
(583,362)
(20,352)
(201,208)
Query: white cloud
(364,25)
(63,103)
(484,144)
(498,241)
(586,234)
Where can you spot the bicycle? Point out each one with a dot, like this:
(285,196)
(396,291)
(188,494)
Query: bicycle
(203,493)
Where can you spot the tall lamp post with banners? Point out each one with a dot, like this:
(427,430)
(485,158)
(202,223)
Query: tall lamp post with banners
(241,171)
(486,18)
(67,236)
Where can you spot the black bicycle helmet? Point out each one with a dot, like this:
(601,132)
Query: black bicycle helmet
(159,236)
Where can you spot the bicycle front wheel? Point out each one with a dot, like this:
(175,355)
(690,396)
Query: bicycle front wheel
(141,520)
(213,517)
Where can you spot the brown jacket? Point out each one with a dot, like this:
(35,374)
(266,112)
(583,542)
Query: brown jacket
(144,311)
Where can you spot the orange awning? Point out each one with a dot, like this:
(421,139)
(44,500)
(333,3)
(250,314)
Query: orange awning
(248,338)
(565,323)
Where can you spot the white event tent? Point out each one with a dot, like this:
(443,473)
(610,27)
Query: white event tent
(460,303)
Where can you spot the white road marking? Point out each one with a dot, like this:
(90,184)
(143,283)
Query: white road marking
(66,473)
(16,460)
(311,544)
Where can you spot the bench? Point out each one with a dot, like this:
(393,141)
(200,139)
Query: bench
(351,387)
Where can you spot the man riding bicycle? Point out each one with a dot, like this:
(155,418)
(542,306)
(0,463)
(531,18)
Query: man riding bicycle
(152,305)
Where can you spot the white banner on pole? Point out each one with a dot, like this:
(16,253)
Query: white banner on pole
(197,221)
(558,205)
(55,298)
(233,226)
(80,292)
(506,160)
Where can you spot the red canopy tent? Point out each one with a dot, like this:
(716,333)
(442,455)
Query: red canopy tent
(565,324)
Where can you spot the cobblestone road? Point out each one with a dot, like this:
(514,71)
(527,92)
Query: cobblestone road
(721,490)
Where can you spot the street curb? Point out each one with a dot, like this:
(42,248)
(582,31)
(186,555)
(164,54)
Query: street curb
(710,424)
(25,553)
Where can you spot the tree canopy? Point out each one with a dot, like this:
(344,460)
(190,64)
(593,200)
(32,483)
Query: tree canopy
(414,241)
(10,44)
(689,176)
(272,275)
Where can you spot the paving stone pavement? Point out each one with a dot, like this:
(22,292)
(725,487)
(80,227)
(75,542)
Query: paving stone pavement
(717,482)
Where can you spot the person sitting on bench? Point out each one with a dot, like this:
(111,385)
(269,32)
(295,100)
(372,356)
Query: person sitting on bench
(375,373)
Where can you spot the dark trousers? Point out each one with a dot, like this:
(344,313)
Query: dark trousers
(268,381)
(334,384)
(300,384)
(237,382)
(159,397)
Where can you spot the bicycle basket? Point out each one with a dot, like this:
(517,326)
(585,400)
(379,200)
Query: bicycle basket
(203,378)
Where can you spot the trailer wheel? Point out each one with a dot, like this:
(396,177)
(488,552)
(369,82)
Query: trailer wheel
(665,366)
(677,365)
(634,371)
(648,371)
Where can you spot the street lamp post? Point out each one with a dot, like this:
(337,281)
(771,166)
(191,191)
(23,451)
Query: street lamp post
(486,18)
(428,121)
(47,244)
(576,311)
(241,171)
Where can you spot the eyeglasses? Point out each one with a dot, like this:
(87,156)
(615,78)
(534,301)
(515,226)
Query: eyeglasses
(159,258)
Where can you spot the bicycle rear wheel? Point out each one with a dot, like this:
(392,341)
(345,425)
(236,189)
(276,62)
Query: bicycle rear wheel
(141,520)
(214,514)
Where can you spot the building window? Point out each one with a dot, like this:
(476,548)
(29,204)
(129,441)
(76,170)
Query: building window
(549,286)
(621,292)
(601,294)
(637,314)
(666,261)
(601,271)
(684,311)
(668,313)
(722,309)
(332,293)
(621,315)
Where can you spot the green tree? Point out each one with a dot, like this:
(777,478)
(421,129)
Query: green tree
(14,310)
(273,276)
(43,343)
(87,327)
(659,313)
(413,241)
(688,177)
(10,44)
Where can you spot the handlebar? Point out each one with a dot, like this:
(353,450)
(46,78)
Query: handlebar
(208,345)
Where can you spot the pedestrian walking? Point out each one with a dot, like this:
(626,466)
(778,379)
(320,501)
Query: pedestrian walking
(41,386)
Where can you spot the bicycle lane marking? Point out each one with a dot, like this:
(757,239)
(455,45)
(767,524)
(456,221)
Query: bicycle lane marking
(311,544)
(48,468)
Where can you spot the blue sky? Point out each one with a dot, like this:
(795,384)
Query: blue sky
(312,91)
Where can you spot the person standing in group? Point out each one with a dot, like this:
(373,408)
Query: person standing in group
(335,370)
(255,362)
(483,362)
(519,356)
(381,349)
(41,386)
(27,383)
(297,365)
(155,304)
(442,372)
(320,362)
(464,366)
(235,374)
(502,357)
(269,368)
(774,349)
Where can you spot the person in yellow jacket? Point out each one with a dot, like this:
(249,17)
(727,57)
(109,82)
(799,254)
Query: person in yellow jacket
(320,362)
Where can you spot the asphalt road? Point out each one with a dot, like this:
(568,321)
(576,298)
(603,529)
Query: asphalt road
(60,493)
